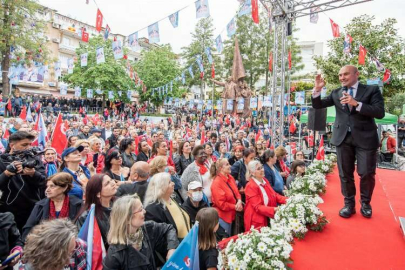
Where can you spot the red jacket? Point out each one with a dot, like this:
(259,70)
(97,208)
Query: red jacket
(223,199)
(256,213)
(390,144)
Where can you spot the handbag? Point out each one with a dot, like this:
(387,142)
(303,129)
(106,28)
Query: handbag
(238,224)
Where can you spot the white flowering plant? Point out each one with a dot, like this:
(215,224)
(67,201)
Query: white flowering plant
(309,184)
(323,166)
(301,213)
(267,248)
(332,157)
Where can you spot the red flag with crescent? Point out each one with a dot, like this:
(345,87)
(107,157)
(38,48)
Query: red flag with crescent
(321,151)
(362,55)
(59,140)
(99,21)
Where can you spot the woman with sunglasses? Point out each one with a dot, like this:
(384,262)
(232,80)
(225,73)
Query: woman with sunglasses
(261,199)
(113,167)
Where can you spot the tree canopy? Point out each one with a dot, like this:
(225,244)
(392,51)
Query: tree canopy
(22,30)
(157,68)
(381,41)
(108,76)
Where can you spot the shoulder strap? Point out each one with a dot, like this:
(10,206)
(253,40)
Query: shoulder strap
(233,193)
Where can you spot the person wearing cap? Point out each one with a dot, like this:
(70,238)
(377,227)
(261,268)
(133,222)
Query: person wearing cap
(96,133)
(71,158)
(194,201)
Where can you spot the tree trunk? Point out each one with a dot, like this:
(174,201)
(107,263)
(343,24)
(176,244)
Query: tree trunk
(5,65)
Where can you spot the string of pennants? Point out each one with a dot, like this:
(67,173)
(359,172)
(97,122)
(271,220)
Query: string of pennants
(254,102)
(348,45)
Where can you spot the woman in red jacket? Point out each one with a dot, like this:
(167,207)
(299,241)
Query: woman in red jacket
(224,194)
(261,199)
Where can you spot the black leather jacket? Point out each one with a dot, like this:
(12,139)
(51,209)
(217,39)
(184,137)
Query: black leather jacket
(128,160)
(159,237)
(181,163)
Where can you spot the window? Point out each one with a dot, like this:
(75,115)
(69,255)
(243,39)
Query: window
(66,41)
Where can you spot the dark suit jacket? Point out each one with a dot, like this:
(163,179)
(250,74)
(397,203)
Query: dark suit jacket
(362,124)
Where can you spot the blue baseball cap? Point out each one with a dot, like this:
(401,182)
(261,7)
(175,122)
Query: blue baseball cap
(70,150)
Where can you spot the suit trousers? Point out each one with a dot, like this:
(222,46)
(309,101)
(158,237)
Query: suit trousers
(347,154)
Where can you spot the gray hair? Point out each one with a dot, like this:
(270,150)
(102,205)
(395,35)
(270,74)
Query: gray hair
(157,187)
(252,167)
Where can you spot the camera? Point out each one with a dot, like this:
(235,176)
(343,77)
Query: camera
(26,157)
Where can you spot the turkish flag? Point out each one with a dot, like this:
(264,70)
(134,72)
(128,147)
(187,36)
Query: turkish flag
(255,11)
(136,145)
(202,141)
(335,29)
(23,114)
(6,134)
(362,55)
(213,71)
(293,128)
(289,60)
(9,107)
(321,151)
(96,118)
(99,21)
(171,149)
(85,36)
(258,134)
(59,140)
(271,62)
(387,75)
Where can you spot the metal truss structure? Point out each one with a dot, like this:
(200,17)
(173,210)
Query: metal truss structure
(281,13)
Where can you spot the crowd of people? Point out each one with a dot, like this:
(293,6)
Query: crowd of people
(150,183)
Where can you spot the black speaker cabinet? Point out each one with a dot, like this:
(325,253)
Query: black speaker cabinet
(317,119)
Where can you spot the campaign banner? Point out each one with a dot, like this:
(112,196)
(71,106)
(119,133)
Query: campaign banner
(219,104)
(70,66)
(183,78)
(300,97)
(110,95)
(190,70)
(129,94)
(246,8)
(57,69)
(174,19)
(199,63)
(153,33)
(231,28)
(209,104)
(133,41)
(241,104)
(63,89)
(78,92)
(46,72)
(219,44)
(89,93)
(229,104)
(253,103)
(100,58)
(83,59)
(209,55)
(99,91)
(202,9)
(117,49)
(200,105)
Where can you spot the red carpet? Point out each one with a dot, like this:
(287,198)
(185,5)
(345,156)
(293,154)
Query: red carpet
(358,243)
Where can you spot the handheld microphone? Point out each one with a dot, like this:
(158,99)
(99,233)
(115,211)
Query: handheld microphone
(344,90)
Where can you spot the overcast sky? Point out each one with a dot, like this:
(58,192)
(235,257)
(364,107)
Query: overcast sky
(128,16)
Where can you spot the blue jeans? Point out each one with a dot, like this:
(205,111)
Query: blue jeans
(227,226)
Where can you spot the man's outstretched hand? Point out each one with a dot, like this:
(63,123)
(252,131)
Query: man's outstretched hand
(319,83)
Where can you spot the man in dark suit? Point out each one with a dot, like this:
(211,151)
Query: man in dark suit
(354,134)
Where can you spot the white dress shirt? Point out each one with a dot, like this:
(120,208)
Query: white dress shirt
(261,185)
(354,88)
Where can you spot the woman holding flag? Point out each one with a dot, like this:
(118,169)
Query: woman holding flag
(133,241)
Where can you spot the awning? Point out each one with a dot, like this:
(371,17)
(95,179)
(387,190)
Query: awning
(34,91)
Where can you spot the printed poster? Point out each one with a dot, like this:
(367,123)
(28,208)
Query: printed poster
(231,28)
(246,8)
(117,49)
(174,19)
(300,97)
(229,104)
(219,44)
(241,104)
(63,89)
(133,41)
(100,55)
(153,32)
(83,59)
(78,91)
(253,103)
(202,9)
(89,93)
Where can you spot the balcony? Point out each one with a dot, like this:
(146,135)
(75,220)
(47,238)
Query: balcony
(71,50)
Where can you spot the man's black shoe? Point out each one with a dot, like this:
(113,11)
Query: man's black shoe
(347,211)
(366,210)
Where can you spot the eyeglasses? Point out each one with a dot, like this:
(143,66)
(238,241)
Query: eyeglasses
(299,154)
(117,157)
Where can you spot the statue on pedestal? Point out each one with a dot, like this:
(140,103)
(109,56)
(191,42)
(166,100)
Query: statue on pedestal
(235,86)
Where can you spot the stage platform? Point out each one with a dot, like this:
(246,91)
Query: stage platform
(358,243)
